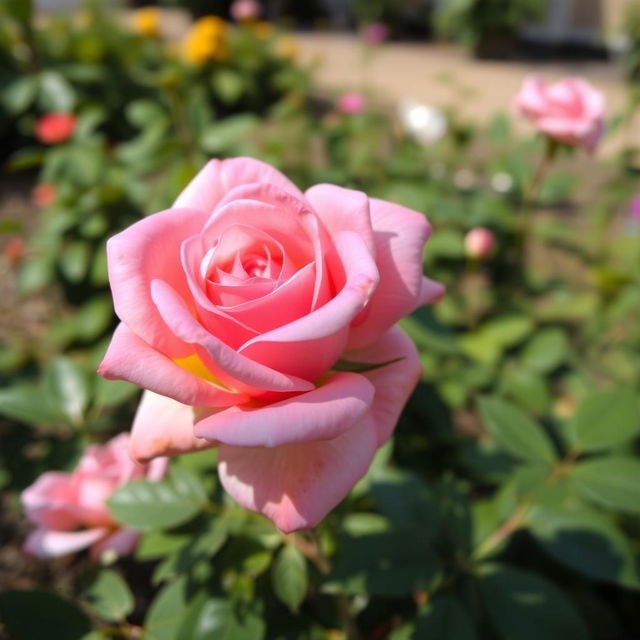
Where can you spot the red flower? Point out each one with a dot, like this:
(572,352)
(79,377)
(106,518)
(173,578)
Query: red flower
(44,195)
(13,251)
(52,128)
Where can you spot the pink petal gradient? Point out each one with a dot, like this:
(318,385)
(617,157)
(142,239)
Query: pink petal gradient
(163,427)
(46,502)
(400,235)
(394,383)
(46,543)
(122,542)
(130,358)
(296,485)
(224,362)
(343,210)
(322,334)
(147,250)
(218,177)
(321,414)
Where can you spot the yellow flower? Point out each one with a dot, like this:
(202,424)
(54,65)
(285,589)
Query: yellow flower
(146,22)
(206,41)
(287,47)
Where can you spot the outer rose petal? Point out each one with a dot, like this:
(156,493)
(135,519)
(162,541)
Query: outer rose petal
(47,544)
(130,358)
(123,542)
(163,427)
(296,485)
(400,235)
(144,251)
(321,414)
(343,210)
(217,178)
(394,383)
(50,502)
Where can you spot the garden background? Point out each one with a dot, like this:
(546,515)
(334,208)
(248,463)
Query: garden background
(507,502)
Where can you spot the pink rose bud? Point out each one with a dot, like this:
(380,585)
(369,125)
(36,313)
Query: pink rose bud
(44,195)
(242,10)
(570,111)
(13,251)
(352,103)
(634,208)
(239,300)
(53,128)
(479,243)
(69,509)
(376,32)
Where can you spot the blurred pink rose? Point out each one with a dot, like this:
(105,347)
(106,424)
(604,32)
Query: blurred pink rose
(570,111)
(53,128)
(245,10)
(238,301)
(70,509)
(479,243)
(44,194)
(375,32)
(352,103)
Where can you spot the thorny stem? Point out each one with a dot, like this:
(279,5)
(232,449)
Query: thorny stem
(504,530)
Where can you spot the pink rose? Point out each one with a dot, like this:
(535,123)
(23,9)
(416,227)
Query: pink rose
(352,103)
(479,243)
(238,301)
(70,509)
(242,10)
(570,111)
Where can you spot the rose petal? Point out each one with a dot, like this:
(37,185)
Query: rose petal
(320,414)
(163,427)
(45,543)
(296,485)
(130,358)
(394,383)
(144,251)
(48,502)
(400,235)
(217,178)
(122,542)
(223,361)
(343,210)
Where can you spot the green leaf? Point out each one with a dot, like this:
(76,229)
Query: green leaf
(144,505)
(56,94)
(587,542)
(228,85)
(29,615)
(545,351)
(444,619)
(605,419)
(109,596)
(111,393)
(362,367)
(222,620)
(66,384)
(613,482)
(515,431)
(406,501)
(168,611)
(18,95)
(225,136)
(74,260)
(393,564)
(524,606)
(290,576)
(25,403)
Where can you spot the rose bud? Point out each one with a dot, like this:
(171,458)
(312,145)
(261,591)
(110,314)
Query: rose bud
(53,128)
(44,195)
(13,251)
(570,111)
(245,10)
(70,509)
(479,243)
(352,103)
